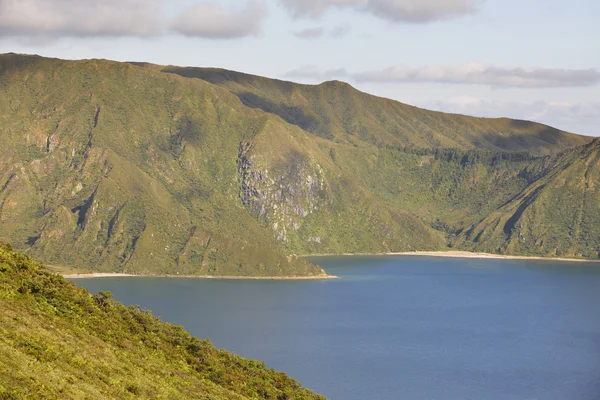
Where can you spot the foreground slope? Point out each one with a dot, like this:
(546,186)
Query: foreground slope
(59,341)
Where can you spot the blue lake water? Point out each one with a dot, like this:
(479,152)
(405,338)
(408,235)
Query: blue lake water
(402,327)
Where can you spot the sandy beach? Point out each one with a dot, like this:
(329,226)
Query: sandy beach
(453,254)
(232,277)
(460,254)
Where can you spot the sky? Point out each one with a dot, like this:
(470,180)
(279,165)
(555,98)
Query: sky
(529,59)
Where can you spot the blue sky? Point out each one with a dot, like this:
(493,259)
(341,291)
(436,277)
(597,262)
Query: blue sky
(529,59)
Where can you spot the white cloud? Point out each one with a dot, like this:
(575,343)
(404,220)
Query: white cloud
(413,11)
(314,73)
(481,74)
(315,8)
(420,11)
(340,31)
(336,32)
(210,20)
(44,20)
(474,74)
(309,33)
(81,18)
(578,117)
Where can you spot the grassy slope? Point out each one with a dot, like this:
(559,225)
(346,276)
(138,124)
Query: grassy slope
(116,167)
(335,110)
(558,214)
(383,146)
(493,202)
(138,168)
(59,341)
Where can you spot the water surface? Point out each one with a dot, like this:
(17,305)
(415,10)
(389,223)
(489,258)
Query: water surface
(402,327)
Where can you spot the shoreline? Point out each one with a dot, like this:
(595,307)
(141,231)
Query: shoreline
(450,254)
(226,277)
(458,254)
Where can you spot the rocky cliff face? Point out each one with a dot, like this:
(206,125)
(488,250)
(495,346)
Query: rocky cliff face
(284,195)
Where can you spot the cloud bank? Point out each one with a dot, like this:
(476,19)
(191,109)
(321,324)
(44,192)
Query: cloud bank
(213,21)
(309,33)
(471,74)
(411,11)
(482,74)
(119,18)
(336,32)
(578,117)
(206,18)
(312,72)
(83,18)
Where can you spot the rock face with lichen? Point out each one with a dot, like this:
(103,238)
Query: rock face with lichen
(285,195)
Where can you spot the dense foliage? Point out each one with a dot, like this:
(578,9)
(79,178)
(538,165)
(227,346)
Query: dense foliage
(60,341)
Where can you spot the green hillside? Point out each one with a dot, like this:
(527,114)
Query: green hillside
(113,167)
(557,214)
(335,110)
(61,342)
(141,168)
(489,201)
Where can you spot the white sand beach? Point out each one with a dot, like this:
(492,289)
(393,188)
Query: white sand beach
(458,254)
(119,275)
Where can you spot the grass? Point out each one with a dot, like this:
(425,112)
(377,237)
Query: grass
(60,341)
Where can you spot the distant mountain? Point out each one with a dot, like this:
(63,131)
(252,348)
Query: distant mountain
(150,169)
(62,342)
(335,110)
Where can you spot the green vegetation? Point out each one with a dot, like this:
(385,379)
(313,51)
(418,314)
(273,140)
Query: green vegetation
(506,203)
(119,168)
(557,214)
(140,168)
(60,341)
(335,110)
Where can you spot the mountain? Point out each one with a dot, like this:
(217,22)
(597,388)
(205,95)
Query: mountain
(557,214)
(60,341)
(335,110)
(497,202)
(141,168)
(109,166)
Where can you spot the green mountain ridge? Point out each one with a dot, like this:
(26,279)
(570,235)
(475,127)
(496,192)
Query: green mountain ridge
(558,213)
(335,110)
(58,341)
(141,168)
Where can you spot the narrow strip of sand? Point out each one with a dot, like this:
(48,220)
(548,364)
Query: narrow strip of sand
(230,277)
(97,275)
(459,254)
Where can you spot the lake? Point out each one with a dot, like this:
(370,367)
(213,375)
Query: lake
(402,327)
